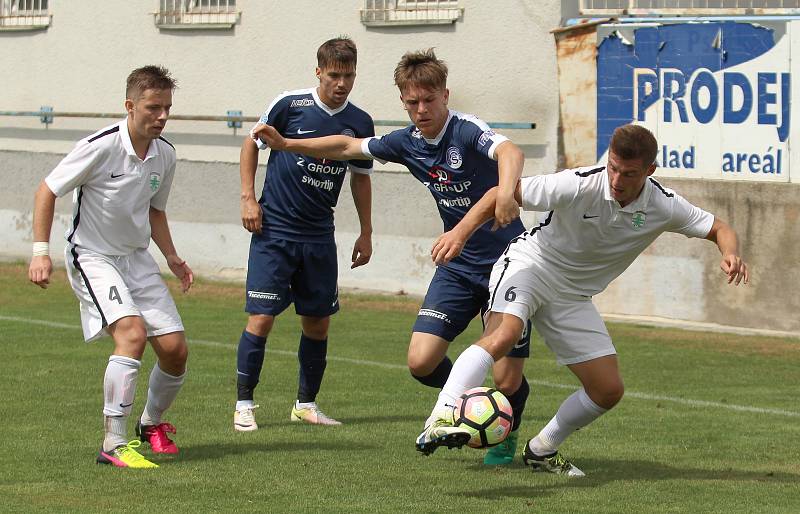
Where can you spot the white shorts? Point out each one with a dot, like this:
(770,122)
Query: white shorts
(112,287)
(569,324)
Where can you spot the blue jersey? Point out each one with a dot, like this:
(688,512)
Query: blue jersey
(457,167)
(300,192)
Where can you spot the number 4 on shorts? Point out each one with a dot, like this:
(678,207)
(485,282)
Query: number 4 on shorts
(113,294)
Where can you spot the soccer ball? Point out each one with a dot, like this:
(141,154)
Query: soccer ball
(486,413)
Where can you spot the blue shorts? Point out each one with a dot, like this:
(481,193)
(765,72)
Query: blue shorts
(280,272)
(454,298)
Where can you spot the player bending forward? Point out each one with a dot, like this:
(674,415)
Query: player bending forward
(121,176)
(601,218)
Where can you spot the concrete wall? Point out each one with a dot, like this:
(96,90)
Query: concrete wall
(503,67)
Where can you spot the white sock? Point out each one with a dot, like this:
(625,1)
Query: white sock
(119,391)
(245,404)
(469,371)
(161,392)
(304,405)
(577,411)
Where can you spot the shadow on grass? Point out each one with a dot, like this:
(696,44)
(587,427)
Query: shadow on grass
(601,472)
(219,451)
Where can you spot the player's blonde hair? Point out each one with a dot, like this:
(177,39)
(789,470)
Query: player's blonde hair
(634,142)
(337,52)
(421,68)
(148,77)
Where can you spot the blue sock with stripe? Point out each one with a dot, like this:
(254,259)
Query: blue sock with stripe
(312,355)
(249,360)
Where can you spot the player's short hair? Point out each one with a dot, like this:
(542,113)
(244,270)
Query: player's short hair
(148,77)
(421,68)
(337,52)
(634,142)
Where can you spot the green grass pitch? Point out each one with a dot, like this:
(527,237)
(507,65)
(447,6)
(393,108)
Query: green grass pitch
(710,422)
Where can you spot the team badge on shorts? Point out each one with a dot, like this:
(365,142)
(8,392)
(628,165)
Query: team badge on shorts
(638,219)
(454,159)
(155,181)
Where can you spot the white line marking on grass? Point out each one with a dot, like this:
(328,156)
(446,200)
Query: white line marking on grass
(630,394)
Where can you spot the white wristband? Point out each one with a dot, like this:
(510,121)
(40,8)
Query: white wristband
(41,248)
(257,140)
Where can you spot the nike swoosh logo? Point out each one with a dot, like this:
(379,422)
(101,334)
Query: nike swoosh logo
(124,406)
(587,217)
(420,158)
(117,176)
(300,132)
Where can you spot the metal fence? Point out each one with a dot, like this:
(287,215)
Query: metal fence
(690,7)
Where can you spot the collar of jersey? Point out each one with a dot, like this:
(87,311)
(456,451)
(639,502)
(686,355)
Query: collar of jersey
(636,205)
(324,107)
(438,139)
(152,149)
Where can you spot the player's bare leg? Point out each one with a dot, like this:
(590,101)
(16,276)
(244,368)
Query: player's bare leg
(249,361)
(312,354)
(602,390)
(427,359)
(166,380)
(119,391)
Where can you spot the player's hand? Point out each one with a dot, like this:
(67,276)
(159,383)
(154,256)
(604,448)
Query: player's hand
(39,270)
(267,134)
(251,215)
(362,251)
(447,247)
(736,269)
(181,270)
(506,210)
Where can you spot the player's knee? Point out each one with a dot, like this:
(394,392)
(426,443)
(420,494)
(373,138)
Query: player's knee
(260,324)
(508,384)
(500,341)
(610,395)
(419,366)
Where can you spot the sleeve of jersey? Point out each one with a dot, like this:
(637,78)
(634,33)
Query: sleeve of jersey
(690,220)
(276,115)
(549,192)
(159,200)
(483,139)
(363,166)
(74,170)
(387,148)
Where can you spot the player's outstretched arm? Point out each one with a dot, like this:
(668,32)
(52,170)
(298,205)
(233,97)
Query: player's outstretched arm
(41,266)
(159,231)
(510,161)
(340,148)
(448,246)
(361,187)
(250,210)
(728,243)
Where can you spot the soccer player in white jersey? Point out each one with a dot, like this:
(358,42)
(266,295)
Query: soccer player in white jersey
(601,218)
(121,178)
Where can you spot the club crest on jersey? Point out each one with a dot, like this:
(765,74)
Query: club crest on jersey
(155,181)
(485,137)
(417,133)
(638,219)
(454,159)
(348,132)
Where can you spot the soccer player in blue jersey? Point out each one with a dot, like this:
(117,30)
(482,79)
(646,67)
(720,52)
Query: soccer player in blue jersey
(458,158)
(292,251)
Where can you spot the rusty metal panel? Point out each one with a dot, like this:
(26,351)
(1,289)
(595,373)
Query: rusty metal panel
(576,54)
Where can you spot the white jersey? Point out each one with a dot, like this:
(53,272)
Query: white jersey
(114,189)
(587,239)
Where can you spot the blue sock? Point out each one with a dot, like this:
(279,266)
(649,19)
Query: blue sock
(249,359)
(438,376)
(311,355)
(517,401)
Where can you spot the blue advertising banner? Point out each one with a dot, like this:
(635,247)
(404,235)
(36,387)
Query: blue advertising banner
(715,94)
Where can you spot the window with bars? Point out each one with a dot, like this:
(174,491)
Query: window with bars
(196,14)
(410,12)
(24,14)
(689,7)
